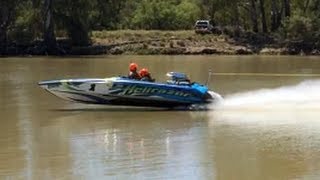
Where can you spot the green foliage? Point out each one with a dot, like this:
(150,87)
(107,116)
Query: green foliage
(108,14)
(155,14)
(165,15)
(23,20)
(298,27)
(187,13)
(27,25)
(302,26)
(73,16)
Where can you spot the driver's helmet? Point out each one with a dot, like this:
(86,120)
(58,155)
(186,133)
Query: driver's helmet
(133,67)
(144,72)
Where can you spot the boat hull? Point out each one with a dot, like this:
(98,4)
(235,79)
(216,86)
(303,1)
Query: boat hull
(121,91)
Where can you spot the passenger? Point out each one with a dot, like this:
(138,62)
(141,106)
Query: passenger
(133,74)
(145,75)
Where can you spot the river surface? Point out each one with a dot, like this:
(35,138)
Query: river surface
(268,127)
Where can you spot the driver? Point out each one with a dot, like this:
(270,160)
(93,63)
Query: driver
(133,74)
(145,75)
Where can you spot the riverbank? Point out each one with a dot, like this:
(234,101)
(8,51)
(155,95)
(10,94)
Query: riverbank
(187,42)
(140,42)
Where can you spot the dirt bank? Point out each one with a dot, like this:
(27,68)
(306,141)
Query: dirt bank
(171,43)
(187,42)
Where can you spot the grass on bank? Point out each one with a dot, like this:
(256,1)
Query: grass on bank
(163,42)
(119,36)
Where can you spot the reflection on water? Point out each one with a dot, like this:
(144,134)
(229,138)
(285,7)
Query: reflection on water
(133,145)
(42,137)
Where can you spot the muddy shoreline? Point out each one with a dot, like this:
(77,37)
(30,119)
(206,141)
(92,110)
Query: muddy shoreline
(169,43)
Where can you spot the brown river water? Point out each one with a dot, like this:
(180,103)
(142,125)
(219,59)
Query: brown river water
(268,126)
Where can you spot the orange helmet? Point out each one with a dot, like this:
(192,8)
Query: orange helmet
(133,67)
(144,72)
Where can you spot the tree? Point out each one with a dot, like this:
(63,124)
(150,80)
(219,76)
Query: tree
(155,14)
(287,8)
(108,14)
(208,8)
(263,17)
(49,37)
(299,27)
(187,13)
(254,16)
(276,15)
(7,17)
(21,21)
(305,8)
(73,16)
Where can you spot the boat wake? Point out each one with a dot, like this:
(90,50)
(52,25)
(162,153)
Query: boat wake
(281,106)
(304,96)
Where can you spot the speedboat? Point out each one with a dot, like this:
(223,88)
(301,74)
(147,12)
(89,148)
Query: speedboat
(177,91)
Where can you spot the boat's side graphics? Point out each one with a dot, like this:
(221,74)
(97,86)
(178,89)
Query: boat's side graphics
(119,91)
(78,96)
(140,90)
(83,97)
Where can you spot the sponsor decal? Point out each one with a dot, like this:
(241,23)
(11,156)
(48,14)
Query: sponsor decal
(135,89)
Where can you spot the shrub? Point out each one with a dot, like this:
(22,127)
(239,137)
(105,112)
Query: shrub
(298,27)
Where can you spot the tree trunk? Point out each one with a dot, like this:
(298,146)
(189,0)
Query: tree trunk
(212,12)
(316,7)
(276,15)
(306,6)
(78,32)
(254,16)
(205,7)
(274,12)
(48,35)
(263,17)
(237,22)
(6,18)
(287,9)
(3,41)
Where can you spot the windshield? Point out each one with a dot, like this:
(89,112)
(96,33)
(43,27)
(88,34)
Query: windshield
(201,23)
